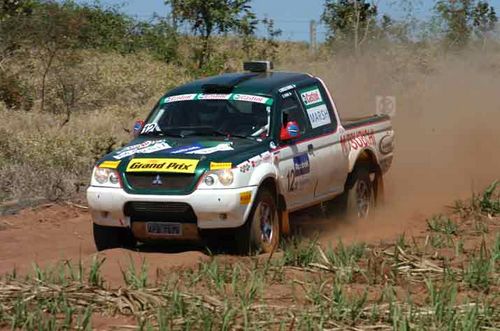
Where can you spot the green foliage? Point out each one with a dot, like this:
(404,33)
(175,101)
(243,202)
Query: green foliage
(477,275)
(442,224)
(484,18)
(456,16)
(299,252)
(489,201)
(9,8)
(62,25)
(207,17)
(349,23)
(463,17)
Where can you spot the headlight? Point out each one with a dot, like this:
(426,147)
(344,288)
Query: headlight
(217,177)
(225,176)
(105,177)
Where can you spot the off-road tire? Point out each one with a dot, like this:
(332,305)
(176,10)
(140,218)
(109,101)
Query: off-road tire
(108,237)
(359,195)
(261,232)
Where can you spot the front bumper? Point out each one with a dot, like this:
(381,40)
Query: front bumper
(217,208)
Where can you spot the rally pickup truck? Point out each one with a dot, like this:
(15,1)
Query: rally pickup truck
(237,153)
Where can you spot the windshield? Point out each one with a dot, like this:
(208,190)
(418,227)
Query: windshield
(230,115)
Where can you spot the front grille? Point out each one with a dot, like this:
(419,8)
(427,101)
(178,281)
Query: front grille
(155,181)
(179,212)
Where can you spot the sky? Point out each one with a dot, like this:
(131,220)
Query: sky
(291,16)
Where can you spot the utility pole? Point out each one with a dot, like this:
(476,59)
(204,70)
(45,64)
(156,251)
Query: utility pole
(312,37)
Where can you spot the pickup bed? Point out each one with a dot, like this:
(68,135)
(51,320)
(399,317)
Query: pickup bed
(236,153)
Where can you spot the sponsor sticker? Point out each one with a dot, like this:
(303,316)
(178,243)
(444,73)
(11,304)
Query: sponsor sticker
(245,197)
(151,127)
(213,96)
(301,165)
(210,150)
(144,148)
(356,140)
(163,165)
(231,96)
(297,178)
(185,149)
(319,116)
(220,165)
(251,98)
(181,97)
(286,88)
(311,97)
(109,164)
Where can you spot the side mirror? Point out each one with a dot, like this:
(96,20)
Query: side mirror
(290,131)
(138,125)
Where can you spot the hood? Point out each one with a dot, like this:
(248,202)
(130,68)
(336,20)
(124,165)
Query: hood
(180,159)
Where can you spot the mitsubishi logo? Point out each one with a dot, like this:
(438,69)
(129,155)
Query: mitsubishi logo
(157,180)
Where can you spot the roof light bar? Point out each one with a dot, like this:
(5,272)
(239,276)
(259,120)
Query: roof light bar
(258,66)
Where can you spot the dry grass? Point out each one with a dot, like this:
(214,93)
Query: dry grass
(41,156)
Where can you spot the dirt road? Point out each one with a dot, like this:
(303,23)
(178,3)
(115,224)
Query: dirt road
(48,234)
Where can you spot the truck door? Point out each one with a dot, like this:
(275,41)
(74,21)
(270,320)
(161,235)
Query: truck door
(295,164)
(327,161)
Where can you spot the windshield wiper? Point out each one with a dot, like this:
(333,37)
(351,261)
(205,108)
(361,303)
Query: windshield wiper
(162,134)
(221,134)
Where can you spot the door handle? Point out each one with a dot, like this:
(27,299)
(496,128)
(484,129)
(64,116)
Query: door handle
(310,149)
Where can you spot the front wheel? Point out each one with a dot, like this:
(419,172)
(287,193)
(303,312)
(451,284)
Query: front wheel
(108,237)
(261,232)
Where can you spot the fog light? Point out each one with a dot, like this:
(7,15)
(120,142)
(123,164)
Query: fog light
(113,178)
(209,180)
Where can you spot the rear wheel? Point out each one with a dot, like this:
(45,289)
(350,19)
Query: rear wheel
(108,237)
(360,196)
(261,232)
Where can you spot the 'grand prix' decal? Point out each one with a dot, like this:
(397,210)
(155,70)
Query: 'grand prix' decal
(357,140)
(163,165)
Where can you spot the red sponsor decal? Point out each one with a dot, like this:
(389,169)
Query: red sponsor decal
(357,140)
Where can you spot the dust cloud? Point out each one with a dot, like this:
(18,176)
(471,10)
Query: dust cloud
(447,131)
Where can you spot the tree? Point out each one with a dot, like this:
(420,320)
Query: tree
(10,8)
(207,17)
(456,15)
(349,22)
(484,19)
(462,18)
(270,49)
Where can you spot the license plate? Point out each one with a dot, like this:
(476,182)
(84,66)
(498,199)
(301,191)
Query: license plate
(171,229)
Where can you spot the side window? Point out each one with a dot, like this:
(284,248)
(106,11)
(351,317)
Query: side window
(320,117)
(291,110)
